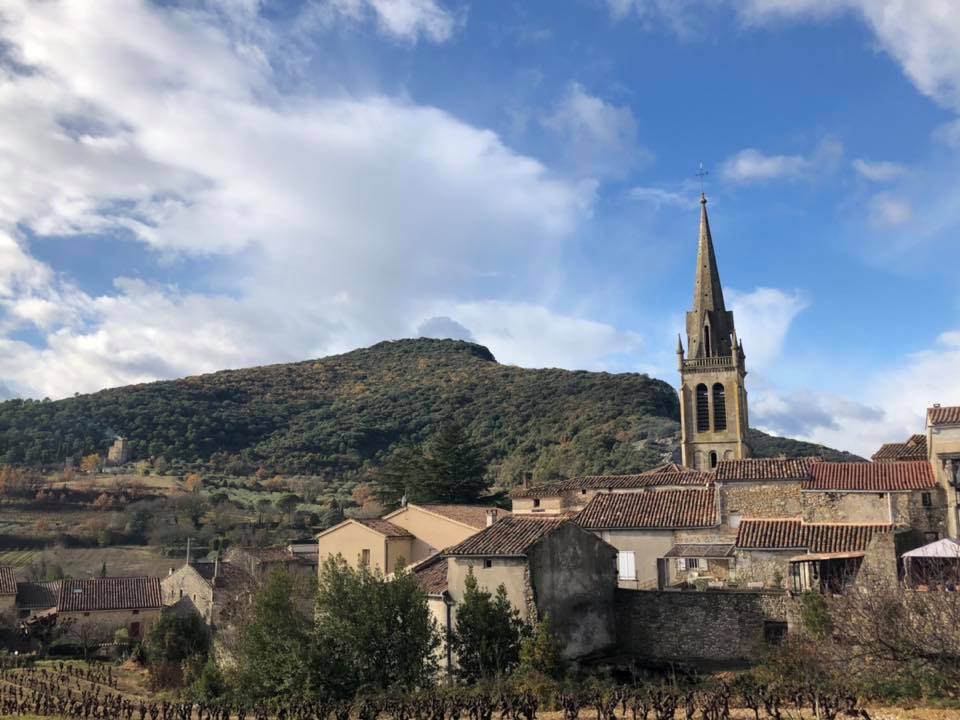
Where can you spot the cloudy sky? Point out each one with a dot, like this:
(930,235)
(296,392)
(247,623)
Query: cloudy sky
(189,186)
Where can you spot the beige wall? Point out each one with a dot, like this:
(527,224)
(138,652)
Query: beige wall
(349,540)
(399,553)
(185,585)
(106,622)
(647,546)
(432,532)
(944,444)
(548,505)
(510,572)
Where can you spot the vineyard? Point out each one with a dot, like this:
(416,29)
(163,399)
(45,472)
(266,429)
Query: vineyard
(99,692)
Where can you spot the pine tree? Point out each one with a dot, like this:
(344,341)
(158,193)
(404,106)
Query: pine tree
(453,469)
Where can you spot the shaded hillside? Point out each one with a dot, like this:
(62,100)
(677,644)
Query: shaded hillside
(341,414)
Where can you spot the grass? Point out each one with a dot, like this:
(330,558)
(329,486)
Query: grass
(87,562)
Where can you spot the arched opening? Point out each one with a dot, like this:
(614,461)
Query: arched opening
(703,409)
(719,408)
(706,340)
(713,459)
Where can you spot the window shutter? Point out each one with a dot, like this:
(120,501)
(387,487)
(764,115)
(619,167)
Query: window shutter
(681,564)
(626,565)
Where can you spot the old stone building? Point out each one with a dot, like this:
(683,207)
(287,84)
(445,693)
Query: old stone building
(119,452)
(216,591)
(943,443)
(105,605)
(713,393)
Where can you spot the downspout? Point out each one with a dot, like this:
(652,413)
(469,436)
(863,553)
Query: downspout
(448,603)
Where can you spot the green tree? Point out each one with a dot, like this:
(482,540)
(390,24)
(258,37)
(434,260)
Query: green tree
(452,470)
(275,646)
(400,473)
(287,503)
(373,633)
(489,631)
(541,651)
(176,637)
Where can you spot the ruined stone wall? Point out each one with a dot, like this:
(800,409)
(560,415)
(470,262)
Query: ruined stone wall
(779,498)
(856,507)
(706,627)
(763,566)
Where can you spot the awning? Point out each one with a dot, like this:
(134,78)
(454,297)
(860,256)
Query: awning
(945,548)
(700,550)
(826,556)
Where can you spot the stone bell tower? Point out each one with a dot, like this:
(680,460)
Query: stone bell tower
(713,393)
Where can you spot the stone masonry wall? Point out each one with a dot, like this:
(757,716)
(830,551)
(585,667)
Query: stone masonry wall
(760,500)
(701,628)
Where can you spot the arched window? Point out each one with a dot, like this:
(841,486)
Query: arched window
(713,459)
(719,408)
(706,340)
(703,409)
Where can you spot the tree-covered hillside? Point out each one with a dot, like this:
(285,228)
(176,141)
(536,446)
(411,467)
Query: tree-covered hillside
(344,413)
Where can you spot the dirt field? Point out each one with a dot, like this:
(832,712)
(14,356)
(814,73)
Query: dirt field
(84,562)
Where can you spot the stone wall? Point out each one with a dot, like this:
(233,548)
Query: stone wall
(762,566)
(760,499)
(701,628)
(859,507)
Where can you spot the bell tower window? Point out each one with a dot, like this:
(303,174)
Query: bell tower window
(703,409)
(719,408)
(706,341)
(713,459)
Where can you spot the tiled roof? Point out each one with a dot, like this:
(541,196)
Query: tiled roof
(121,593)
(432,574)
(656,509)
(764,469)
(949,415)
(793,533)
(512,536)
(871,477)
(384,527)
(913,449)
(700,551)
(473,515)
(665,478)
(32,595)
(8,581)
(228,575)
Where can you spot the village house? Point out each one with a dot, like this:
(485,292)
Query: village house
(300,561)
(216,591)
(104,605)
(547,566)
(37,599)
(405,536)
(943,443)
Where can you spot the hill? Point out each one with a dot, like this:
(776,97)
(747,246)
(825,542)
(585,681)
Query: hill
(342,414)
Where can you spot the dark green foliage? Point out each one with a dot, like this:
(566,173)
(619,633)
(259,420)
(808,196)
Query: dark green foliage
(486,641)
(176,637)
(764,445)
(542,652)
(815,615)
(344,414)
(275,644)
(372,633)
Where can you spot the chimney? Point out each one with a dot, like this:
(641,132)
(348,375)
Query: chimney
(171,572)
(216,569)
(527,477)
(188,550)
(491,516)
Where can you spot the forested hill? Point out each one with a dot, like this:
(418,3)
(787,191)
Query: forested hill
(344,413)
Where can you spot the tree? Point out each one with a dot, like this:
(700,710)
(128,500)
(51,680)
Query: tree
(399,474)
(453,470)
(91,463)
(274,644)
(263,504)
(176,637)
(103,569)
(374,633)
(192,482)
(489,631)
(541,651)
(287,503)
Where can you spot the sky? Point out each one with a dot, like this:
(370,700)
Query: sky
(190,185)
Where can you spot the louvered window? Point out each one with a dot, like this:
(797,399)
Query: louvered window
(719,408)
(627,565)
(703,409)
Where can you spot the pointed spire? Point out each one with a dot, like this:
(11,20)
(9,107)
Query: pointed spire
(679,345)
(708,293)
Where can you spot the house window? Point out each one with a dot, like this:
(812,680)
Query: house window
(693,563)
(733,520)
(931,536)
(136,612)
(713,459)
(135,629)
(926,499)
(774,632)
(536,502)
(627,565)
(86,614)
(365,557)
(488,563)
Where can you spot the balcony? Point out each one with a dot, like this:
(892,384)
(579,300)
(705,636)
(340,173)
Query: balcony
(708,362)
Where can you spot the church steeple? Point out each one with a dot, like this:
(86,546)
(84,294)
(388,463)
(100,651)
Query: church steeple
(713,395)
(709,324)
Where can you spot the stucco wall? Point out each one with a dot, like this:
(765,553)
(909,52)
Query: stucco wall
(510,572)
(647,545)
(399,553)
(944,444)
(552,505)
(573,575)
(349,540)
(106,622)
(432,532)
(709,627)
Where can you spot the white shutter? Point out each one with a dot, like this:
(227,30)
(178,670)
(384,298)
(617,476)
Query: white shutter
(682,564)
(626,565)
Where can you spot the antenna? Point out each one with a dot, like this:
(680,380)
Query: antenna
(702,174)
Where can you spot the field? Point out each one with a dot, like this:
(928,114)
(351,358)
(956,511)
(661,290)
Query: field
(87,562)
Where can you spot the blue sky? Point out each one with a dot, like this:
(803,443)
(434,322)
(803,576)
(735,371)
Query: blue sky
(191,186)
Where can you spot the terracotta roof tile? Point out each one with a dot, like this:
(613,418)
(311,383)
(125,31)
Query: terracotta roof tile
(664,478)
(33,595)
(512,536)
(871,477)
(654,509)
(228,576)
(764,469)
(913,449)
(473,515)
(700,550)
(432,574)
(794,534)
(384,527)
(8,581)
(121,593)
(949,415)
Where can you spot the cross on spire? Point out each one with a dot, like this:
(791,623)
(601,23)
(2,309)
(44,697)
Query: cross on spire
(702,174)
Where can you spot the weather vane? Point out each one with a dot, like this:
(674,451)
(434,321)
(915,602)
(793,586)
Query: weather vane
(702,174)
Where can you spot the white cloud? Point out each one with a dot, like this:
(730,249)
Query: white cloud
(948,134)
(406,20)
(751,165)
(879,171)
(334,220)
(599,138)
(677,14)
(659,197)
(763,319)
(889,211)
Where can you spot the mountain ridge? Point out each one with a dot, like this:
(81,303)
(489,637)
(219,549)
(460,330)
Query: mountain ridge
(343,414)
